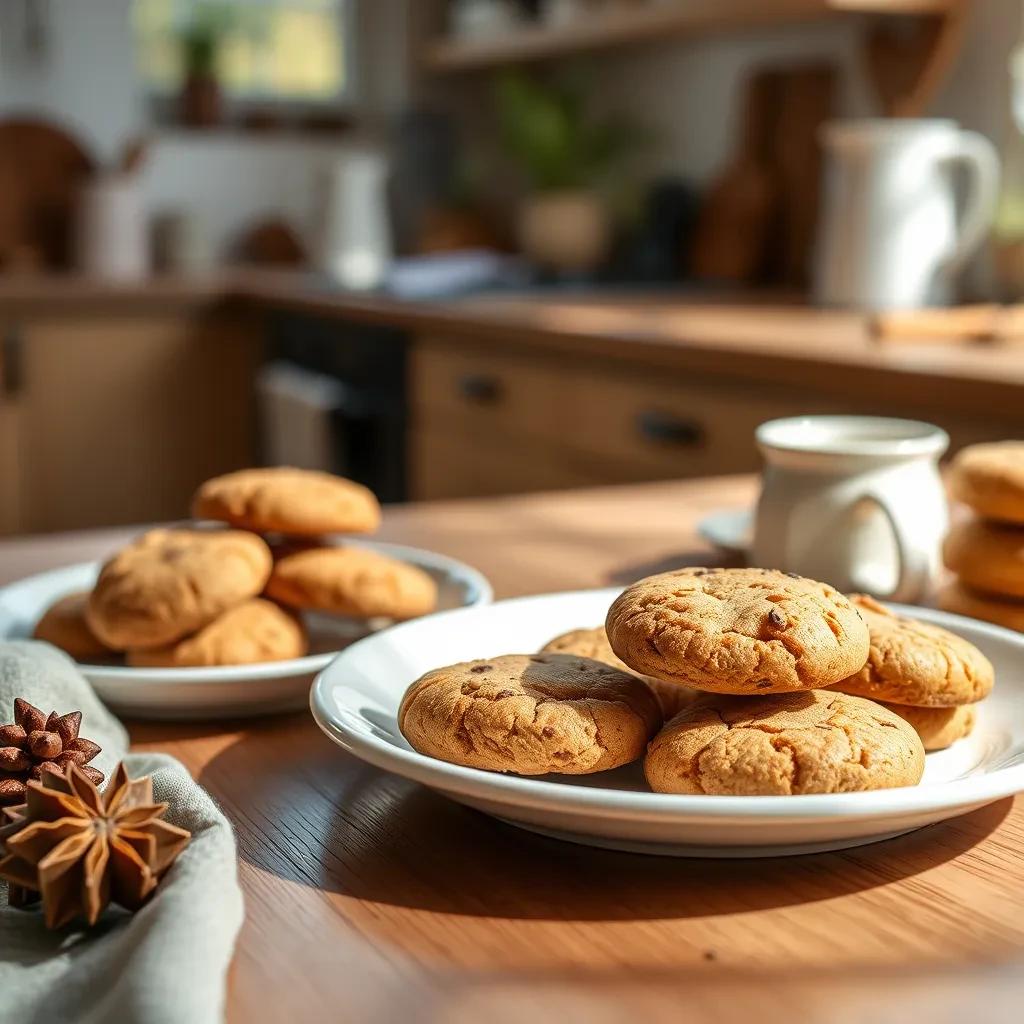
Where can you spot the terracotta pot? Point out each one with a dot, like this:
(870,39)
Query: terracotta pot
(567,231)
(201,101)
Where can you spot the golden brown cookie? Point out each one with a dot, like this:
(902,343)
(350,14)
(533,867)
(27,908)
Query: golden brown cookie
(285,500)
(987,556)
(938,727)
(739,631)
(916,663)
(352,581)
(817,741)
(990,479)
(169,583)
(530,714)
(63,625)
(251,632)
(955,597)
(593,643)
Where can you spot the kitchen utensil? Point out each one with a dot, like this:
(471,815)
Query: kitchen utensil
(355,701)
(231,690)
(855,501)
(889,236)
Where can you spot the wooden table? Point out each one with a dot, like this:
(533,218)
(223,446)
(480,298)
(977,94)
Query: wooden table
(371,899)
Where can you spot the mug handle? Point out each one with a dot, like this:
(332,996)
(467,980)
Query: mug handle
(979,157)
(914,566)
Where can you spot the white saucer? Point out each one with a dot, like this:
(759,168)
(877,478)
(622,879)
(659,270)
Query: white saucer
(355,701)
(730,529)
(232,690)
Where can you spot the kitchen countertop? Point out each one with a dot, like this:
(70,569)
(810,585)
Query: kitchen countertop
(369,898)
(766,343)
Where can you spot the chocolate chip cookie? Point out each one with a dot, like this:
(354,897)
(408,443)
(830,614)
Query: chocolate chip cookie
(530,715)
(818,741)
(740,631)
(916,663)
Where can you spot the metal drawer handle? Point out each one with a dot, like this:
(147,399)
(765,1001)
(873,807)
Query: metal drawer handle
(664,428)
(480,388)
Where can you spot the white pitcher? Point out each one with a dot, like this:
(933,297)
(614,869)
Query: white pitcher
(889,237)
(855,501)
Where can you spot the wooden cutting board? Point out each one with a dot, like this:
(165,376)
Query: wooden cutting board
(42,168)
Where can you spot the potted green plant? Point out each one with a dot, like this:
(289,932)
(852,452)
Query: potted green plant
(200,39)
(566,155)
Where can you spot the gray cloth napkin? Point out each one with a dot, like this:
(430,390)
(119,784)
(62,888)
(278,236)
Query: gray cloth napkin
(165,964)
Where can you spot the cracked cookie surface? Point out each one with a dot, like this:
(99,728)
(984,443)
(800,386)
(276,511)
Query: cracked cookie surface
(938,727)
(530,715)
(169,583)
(593,643)
(916,663)
(281,499)
(739,631)
(818,741)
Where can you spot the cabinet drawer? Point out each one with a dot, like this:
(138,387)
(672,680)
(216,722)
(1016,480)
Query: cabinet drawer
(488,391)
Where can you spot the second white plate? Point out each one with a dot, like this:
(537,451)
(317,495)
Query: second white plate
(355,701)
(230,690)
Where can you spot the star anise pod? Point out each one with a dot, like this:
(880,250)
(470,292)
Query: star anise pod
(77,850)
(35,741)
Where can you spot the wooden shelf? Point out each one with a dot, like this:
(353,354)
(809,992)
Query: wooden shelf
(636,25)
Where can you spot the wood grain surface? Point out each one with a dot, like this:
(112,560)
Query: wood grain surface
(371,899)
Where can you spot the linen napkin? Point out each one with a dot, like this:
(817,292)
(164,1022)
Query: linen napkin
(165,964)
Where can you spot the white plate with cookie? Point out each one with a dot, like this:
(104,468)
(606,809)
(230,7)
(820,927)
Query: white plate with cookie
(226,690)
(356,702)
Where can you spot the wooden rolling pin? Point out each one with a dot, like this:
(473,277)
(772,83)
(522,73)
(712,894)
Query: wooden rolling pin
(966,324)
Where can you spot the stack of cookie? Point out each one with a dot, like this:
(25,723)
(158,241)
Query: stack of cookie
(212,596)
(986,551)
(765,680)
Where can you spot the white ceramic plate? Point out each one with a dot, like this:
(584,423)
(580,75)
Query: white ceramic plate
(231,690)
(356,698)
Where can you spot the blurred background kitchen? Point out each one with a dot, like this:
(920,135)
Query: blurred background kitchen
(474,247)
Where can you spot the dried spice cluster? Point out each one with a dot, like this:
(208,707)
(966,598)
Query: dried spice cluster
(37,742)
(77,851)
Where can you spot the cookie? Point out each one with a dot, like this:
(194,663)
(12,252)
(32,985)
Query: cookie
(740,631)
(955,597)
(530,715)
(593,643)
(987,556)
(170,583)
(938,727)
(990,479)
(818,741)
(251,632)
(916,663)
(291,501)
(63,625)
(352,581)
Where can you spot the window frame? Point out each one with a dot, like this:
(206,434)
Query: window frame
(341,103)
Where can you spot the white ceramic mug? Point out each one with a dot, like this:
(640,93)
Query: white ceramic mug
(889,236)
(855,501)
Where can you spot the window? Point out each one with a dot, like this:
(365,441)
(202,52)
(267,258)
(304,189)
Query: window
(285,51)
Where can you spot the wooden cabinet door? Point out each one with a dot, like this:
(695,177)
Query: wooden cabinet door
(11,465)
(120,418)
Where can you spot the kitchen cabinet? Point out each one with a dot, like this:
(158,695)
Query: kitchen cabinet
(110,416)
(487,420)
